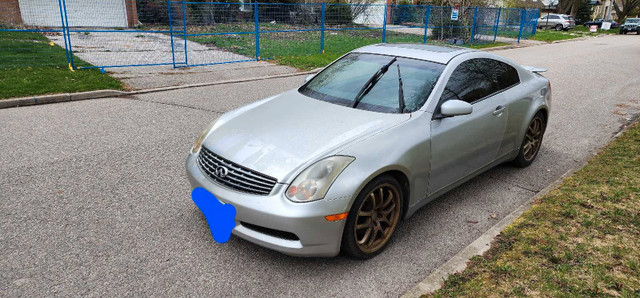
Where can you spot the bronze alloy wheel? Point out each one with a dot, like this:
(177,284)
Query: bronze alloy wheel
(377,218)
(533,139)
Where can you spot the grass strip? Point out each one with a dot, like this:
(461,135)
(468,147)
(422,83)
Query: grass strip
(581,239)
(32,65)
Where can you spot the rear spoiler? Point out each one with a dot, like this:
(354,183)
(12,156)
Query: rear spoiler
(534,69)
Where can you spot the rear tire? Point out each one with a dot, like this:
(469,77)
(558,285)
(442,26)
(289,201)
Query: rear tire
(559,27)
(532,141)
(373,218)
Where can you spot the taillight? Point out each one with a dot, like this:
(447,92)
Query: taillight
(549,84)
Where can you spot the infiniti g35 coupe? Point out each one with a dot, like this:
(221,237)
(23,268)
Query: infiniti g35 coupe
(337,163)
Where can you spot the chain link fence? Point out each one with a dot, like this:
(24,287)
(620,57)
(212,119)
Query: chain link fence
(125,33)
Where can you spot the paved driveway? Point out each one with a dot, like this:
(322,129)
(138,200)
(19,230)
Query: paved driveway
(135,48)
(94,199)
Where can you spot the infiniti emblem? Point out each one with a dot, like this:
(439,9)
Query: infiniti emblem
(222,172)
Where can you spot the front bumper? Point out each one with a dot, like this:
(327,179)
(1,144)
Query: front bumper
(315,235)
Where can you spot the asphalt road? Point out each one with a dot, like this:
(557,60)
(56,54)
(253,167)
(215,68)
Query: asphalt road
(94,199)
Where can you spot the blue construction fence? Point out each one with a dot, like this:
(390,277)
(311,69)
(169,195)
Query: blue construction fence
(196,33)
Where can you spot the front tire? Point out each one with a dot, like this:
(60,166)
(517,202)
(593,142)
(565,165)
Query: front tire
(532,141)
(373,218)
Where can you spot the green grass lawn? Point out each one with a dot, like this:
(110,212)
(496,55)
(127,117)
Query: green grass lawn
(580,240)
(31,65)
(585,30)
(550,35)
(301,49)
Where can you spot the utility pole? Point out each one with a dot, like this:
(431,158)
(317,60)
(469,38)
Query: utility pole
(607,15)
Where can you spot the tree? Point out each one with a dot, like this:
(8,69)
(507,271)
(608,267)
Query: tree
(584,11)
(628,6)
(522,4)
(569,7)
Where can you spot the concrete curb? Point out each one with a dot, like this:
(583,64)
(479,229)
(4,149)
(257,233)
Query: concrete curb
(45,99)
(457,263)
(55,98)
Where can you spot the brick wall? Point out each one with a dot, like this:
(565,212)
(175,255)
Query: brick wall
(132,13)
(10,12)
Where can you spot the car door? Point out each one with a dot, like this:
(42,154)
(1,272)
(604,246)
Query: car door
(550,21)
(517,103)
(462,145)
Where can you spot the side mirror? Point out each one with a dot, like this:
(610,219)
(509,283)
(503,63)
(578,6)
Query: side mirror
(309,77)
(454,107)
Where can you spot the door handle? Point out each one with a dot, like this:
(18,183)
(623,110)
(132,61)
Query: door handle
(499,110)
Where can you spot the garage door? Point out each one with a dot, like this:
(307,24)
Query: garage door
(81,13)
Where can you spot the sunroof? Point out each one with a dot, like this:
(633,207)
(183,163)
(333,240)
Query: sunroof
(424,47)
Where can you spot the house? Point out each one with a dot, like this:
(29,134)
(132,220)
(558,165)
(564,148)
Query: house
(600,8)
(80,13)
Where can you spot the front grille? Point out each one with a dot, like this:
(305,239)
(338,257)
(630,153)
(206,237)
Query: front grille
(237,177)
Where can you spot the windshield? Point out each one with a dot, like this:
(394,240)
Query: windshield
(341,82)
(633,21)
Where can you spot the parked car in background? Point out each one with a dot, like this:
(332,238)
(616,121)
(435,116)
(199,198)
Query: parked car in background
(631,25)
(556,21)
(598,23)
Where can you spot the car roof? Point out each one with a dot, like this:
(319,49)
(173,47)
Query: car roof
(440,54)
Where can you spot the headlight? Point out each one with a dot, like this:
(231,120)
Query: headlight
(314,182)
(201,137)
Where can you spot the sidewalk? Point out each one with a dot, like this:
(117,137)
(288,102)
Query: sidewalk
(138,78)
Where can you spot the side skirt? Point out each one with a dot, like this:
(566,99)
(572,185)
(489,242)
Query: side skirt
(412,209)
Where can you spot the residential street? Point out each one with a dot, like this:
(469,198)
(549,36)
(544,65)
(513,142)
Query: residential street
(95,201)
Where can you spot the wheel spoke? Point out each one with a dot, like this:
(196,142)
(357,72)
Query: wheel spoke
(367,224)
(366,236)
(373,201)
(529,137)
(385,218)
(372,237)
(389,200)
(388,210)
(365,213)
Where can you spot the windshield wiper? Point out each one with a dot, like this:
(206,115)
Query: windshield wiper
(400,91)
(372,82)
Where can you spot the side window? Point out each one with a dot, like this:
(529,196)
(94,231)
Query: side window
(506,75)
(472,80)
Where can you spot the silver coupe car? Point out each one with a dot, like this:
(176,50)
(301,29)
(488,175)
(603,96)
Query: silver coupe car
(337,163)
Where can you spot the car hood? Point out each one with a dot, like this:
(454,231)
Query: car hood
(281,135)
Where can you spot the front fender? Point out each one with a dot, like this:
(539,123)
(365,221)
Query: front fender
(403,149)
